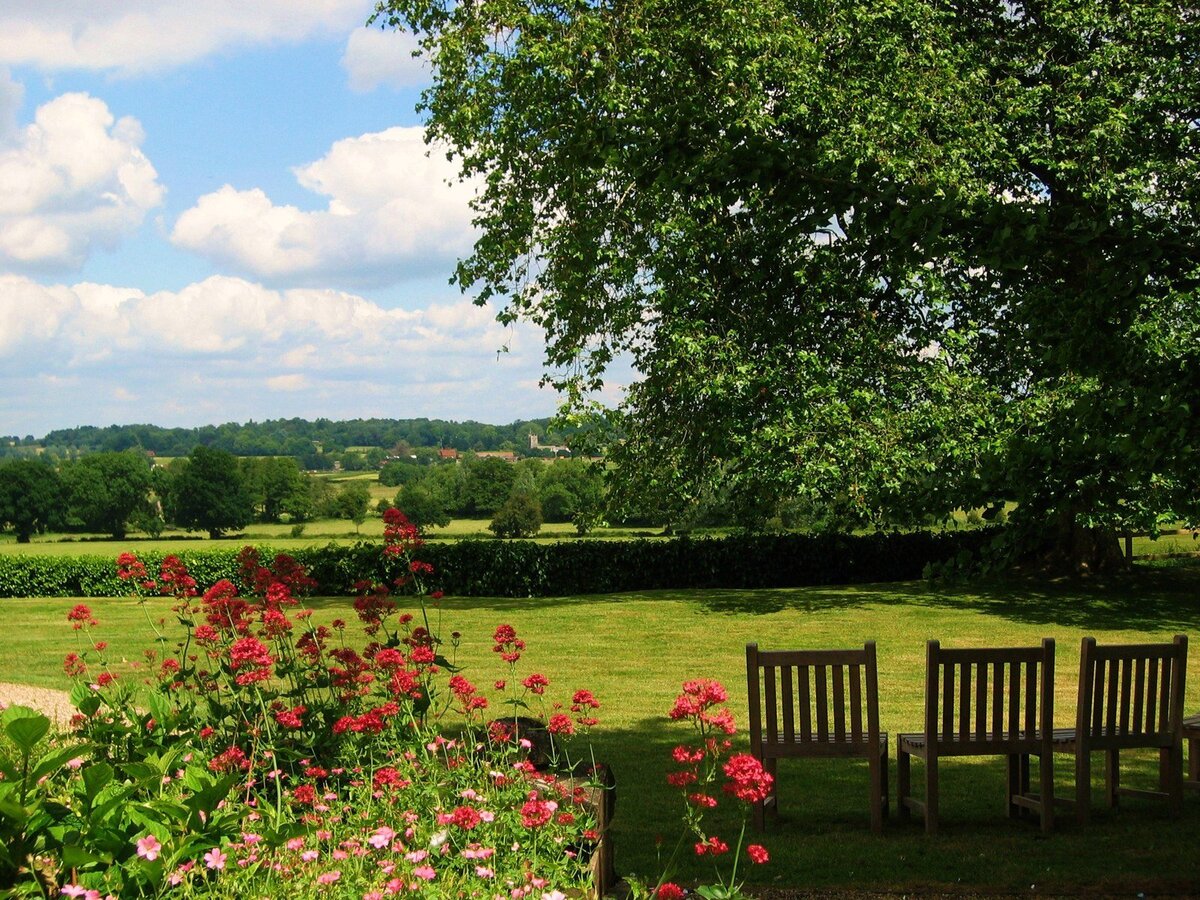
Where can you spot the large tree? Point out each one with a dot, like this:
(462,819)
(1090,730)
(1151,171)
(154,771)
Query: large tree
(106,490)
(209,492)
(31,497)
(890,258)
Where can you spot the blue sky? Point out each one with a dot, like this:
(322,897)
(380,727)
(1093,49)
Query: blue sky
(226,211)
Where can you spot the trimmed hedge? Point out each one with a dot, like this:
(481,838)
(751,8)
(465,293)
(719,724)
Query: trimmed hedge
(527,569)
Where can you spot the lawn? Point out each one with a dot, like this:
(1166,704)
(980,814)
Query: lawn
(634,650)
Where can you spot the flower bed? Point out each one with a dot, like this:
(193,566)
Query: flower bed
(263,755)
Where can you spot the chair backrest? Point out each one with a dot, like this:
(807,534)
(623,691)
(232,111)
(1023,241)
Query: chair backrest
(989,700)
(813,702)
(1131,695)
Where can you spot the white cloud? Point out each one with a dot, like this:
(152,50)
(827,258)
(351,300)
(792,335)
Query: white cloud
(383,57)
(147,35)
(73,180)
(228,349)
(12,92)
(395,209)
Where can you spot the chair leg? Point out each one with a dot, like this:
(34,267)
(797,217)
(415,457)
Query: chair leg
(1174,776)
(903,784)
(883,782)
(931,794)
(1112,777)
(1083,786)
(1046,787)
(772,767)
(1013,785)
(876,799)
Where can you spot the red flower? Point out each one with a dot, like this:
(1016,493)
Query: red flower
(387,777)
(507,644)
(291,718)
(748,780)
(537,812)
(80,615)
(73,665)
(714,846)
(536,683)
(758,854)
(704,801)
(698,696)
(669,891)
(466,817)
(561,724)
(304,794)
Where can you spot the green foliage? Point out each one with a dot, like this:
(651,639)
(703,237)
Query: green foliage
(422,507)
(105,490)
(887,259)
(209,492)
(277,487)
(30,497)
(519,517)
(353,501)
(528,569)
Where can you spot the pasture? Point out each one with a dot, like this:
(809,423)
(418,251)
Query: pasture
(633,651)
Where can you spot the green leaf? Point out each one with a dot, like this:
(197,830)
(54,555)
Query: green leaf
(95,778)
(25,727)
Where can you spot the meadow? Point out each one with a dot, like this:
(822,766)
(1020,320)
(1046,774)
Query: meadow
(634,650)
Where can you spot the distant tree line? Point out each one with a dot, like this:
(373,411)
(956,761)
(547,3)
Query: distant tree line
(114,492)
(356,444)
(518,497)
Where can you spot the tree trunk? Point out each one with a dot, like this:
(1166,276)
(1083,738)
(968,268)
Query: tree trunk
(1073,549)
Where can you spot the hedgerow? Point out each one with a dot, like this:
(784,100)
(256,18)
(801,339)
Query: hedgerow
(492,568)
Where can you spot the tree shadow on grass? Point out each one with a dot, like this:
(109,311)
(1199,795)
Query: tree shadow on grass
(822,838)
(1148,599)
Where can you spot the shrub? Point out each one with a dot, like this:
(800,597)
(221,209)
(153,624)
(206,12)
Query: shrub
(520,516)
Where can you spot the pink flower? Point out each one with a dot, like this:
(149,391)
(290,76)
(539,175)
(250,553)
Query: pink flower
(148,847)
(425,872)
(329,877)
(381,838)
(215,859)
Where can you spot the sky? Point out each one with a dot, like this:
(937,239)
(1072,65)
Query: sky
(227,211)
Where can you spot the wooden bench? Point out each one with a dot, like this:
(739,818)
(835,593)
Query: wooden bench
(1016,686)
(817,703)
(1130,696)
(1191,734)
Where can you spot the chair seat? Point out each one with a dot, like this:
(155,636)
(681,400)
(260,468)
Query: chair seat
(1191,726)
(816,747)
(989,744)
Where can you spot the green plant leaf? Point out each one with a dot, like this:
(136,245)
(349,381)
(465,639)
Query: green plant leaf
(25,727)
(95,778)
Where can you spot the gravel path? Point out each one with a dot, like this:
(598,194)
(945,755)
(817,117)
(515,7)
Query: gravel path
(55,704)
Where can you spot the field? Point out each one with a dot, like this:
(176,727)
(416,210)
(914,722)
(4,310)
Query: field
(634,650)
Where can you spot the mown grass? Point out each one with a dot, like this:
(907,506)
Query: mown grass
(633,650)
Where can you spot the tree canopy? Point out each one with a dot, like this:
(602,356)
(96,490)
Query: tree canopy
(106,490)
(208,491)
(30,497)
(886,258)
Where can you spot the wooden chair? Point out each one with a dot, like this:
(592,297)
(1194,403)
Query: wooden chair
(817,703)
(1004,700)
(1191,734)
(1130,696)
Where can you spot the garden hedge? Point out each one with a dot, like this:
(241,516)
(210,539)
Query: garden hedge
(492,568)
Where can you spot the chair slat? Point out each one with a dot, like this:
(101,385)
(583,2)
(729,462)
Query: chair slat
(1098,697)
(1123,718)
(856,705)
(1139,695)
(1014,697)
(997,700)
(964,701)
(980,701)
(839,704)
(771,701)
(1114,675)
(820,676)
(788,704)
(947,700)
(804,697)
(1031,692)
(1152,692)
